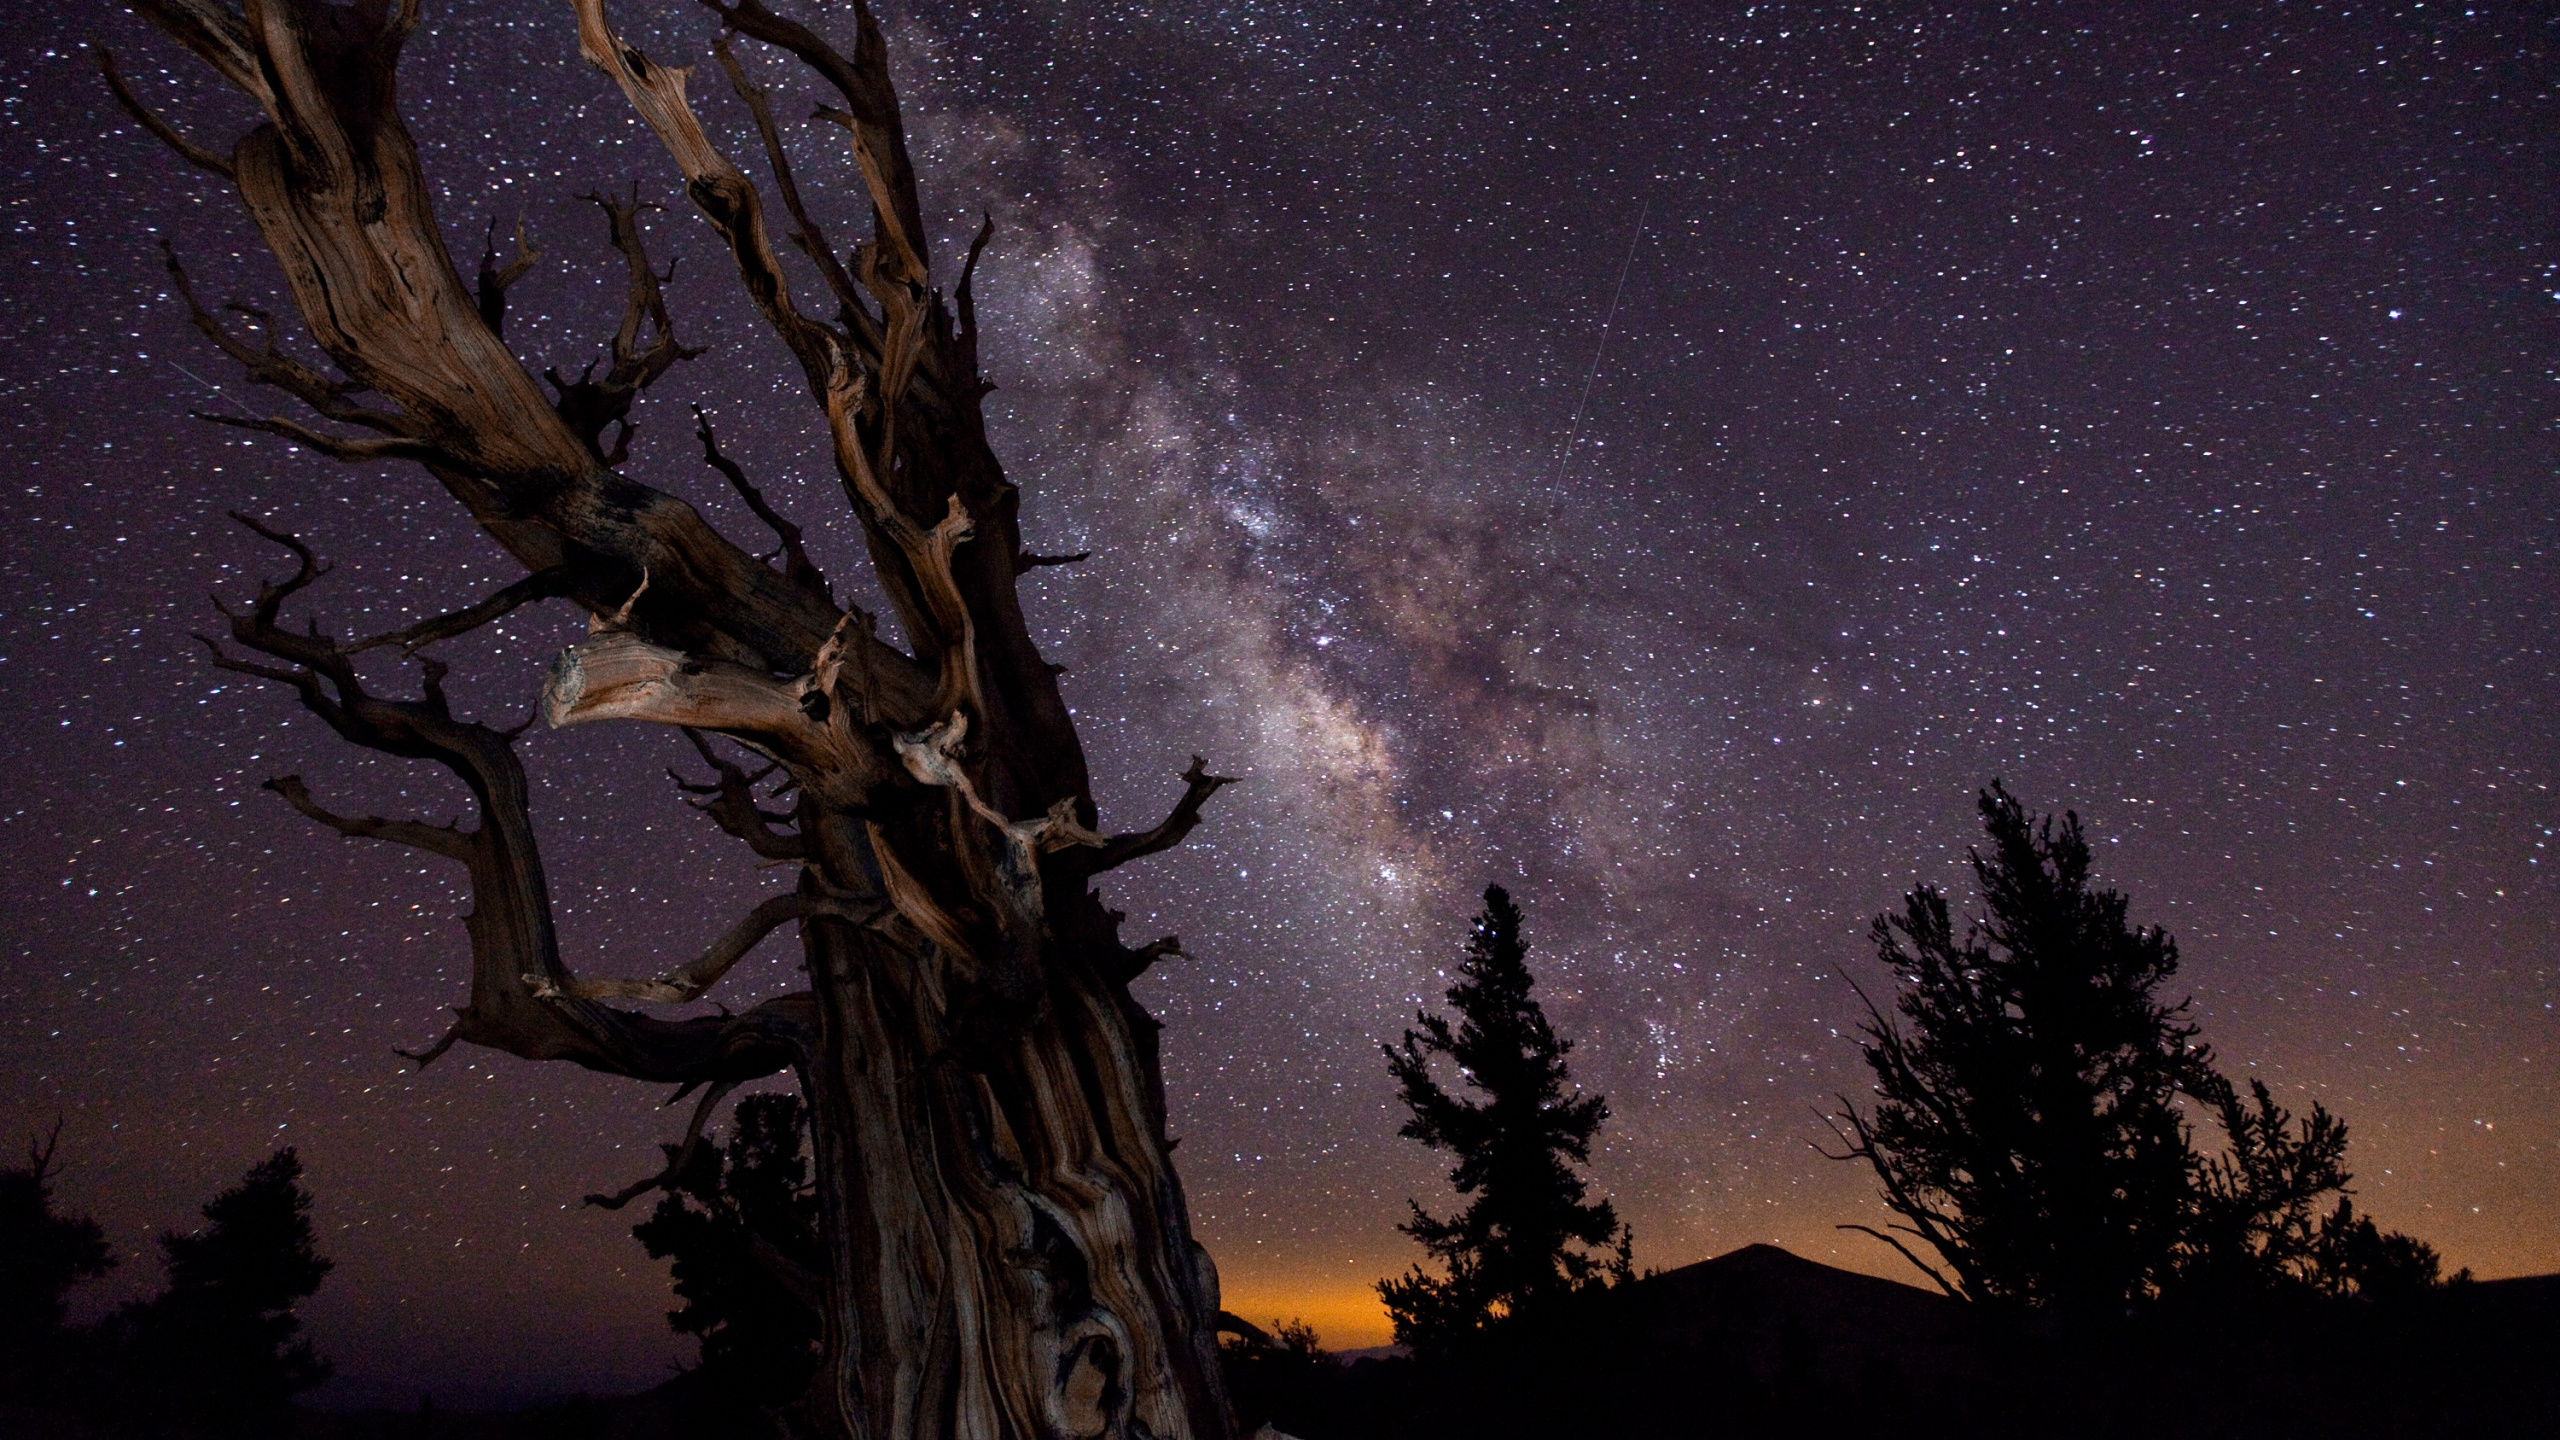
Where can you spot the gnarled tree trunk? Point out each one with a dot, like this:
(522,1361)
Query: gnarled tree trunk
(1007,1250)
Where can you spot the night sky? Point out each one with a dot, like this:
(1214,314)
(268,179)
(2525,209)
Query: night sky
(2157,414)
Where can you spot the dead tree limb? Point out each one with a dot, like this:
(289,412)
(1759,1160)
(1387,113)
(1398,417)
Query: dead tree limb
(677,987)
(806,236)
(587,405)
(795,556)
(732,805)
(551,584)
(272,367)
(496,279)
(1198,786)
(161,130)
(678,1156)
(510,921)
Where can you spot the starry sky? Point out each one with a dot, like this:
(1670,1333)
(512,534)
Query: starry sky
(1662,458)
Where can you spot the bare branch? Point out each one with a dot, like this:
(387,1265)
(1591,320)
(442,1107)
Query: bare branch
(587,405)
(273,593)
(496,279)
(334,446)
(733,806)
(678,987)
(446,840)
(966,297)
(811,240)
(551,584)
(796,563)
(1026,562)
(880,142)
(1924,1266)
(510,921)
(40,1152)
(168,134)
(718,188)
(678,1157)
(434,1052)
(1137,962)
(273,368)
(1199,786)
(219,36)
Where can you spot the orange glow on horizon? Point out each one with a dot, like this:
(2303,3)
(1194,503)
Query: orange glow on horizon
(1346,1315)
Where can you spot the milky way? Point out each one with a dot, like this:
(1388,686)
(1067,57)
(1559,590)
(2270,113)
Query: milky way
(2156,415)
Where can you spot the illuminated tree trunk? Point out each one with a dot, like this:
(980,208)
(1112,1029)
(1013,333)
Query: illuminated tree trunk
(1007,1249)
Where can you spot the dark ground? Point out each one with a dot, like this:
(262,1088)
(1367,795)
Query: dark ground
(1762,1343)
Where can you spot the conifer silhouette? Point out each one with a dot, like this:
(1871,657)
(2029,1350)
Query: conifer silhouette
(739,1222)
(2028,1128)
(42,1255)
(220,1350)
(2027,1125)
(1514,1246)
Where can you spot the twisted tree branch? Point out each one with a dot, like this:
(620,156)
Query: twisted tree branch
(1198,786)
(497,279)
(732,805)
(677,987)
(551,584)
(510,921)
(167,134)
(678,1156)
(797,565)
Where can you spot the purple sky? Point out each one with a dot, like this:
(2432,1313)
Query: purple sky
(2156,415)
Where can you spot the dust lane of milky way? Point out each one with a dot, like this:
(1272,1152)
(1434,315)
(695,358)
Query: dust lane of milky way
(2154,415)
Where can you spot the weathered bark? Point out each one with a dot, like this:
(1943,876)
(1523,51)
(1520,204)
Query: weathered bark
(1008,1253)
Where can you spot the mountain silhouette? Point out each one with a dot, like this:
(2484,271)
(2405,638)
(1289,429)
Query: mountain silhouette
(1762,1342)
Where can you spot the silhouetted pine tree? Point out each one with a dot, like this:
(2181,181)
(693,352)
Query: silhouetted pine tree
(740,1223)
(42,1255)
(219,1349)
(2027,1125)
(1514,1245)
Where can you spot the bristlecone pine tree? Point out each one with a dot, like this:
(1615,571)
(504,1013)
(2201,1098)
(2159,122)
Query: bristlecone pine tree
(1005,1248)
(2026,1125)
(1514,1246)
